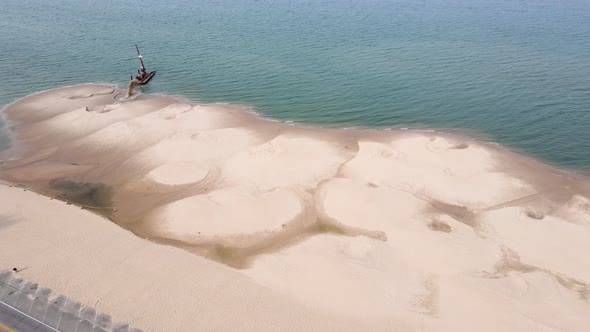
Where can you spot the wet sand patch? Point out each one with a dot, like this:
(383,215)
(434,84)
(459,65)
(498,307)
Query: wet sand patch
(241,257)
(439,226)
(94,196)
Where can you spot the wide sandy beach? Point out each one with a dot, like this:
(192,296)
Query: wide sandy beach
(208,217)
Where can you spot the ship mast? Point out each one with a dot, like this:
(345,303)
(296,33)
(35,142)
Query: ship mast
(140,57)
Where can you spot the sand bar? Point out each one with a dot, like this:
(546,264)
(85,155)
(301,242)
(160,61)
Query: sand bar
(295,227)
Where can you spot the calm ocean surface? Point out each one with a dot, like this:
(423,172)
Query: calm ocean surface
(515,72)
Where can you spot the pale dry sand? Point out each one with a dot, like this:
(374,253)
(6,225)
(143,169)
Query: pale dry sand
(321,229)
(151,286)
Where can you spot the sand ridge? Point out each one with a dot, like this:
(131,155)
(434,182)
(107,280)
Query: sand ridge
(396,228)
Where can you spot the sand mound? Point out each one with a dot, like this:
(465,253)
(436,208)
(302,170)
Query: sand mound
(227,212)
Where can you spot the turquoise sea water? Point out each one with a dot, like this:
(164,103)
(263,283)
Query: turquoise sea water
(513,71)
